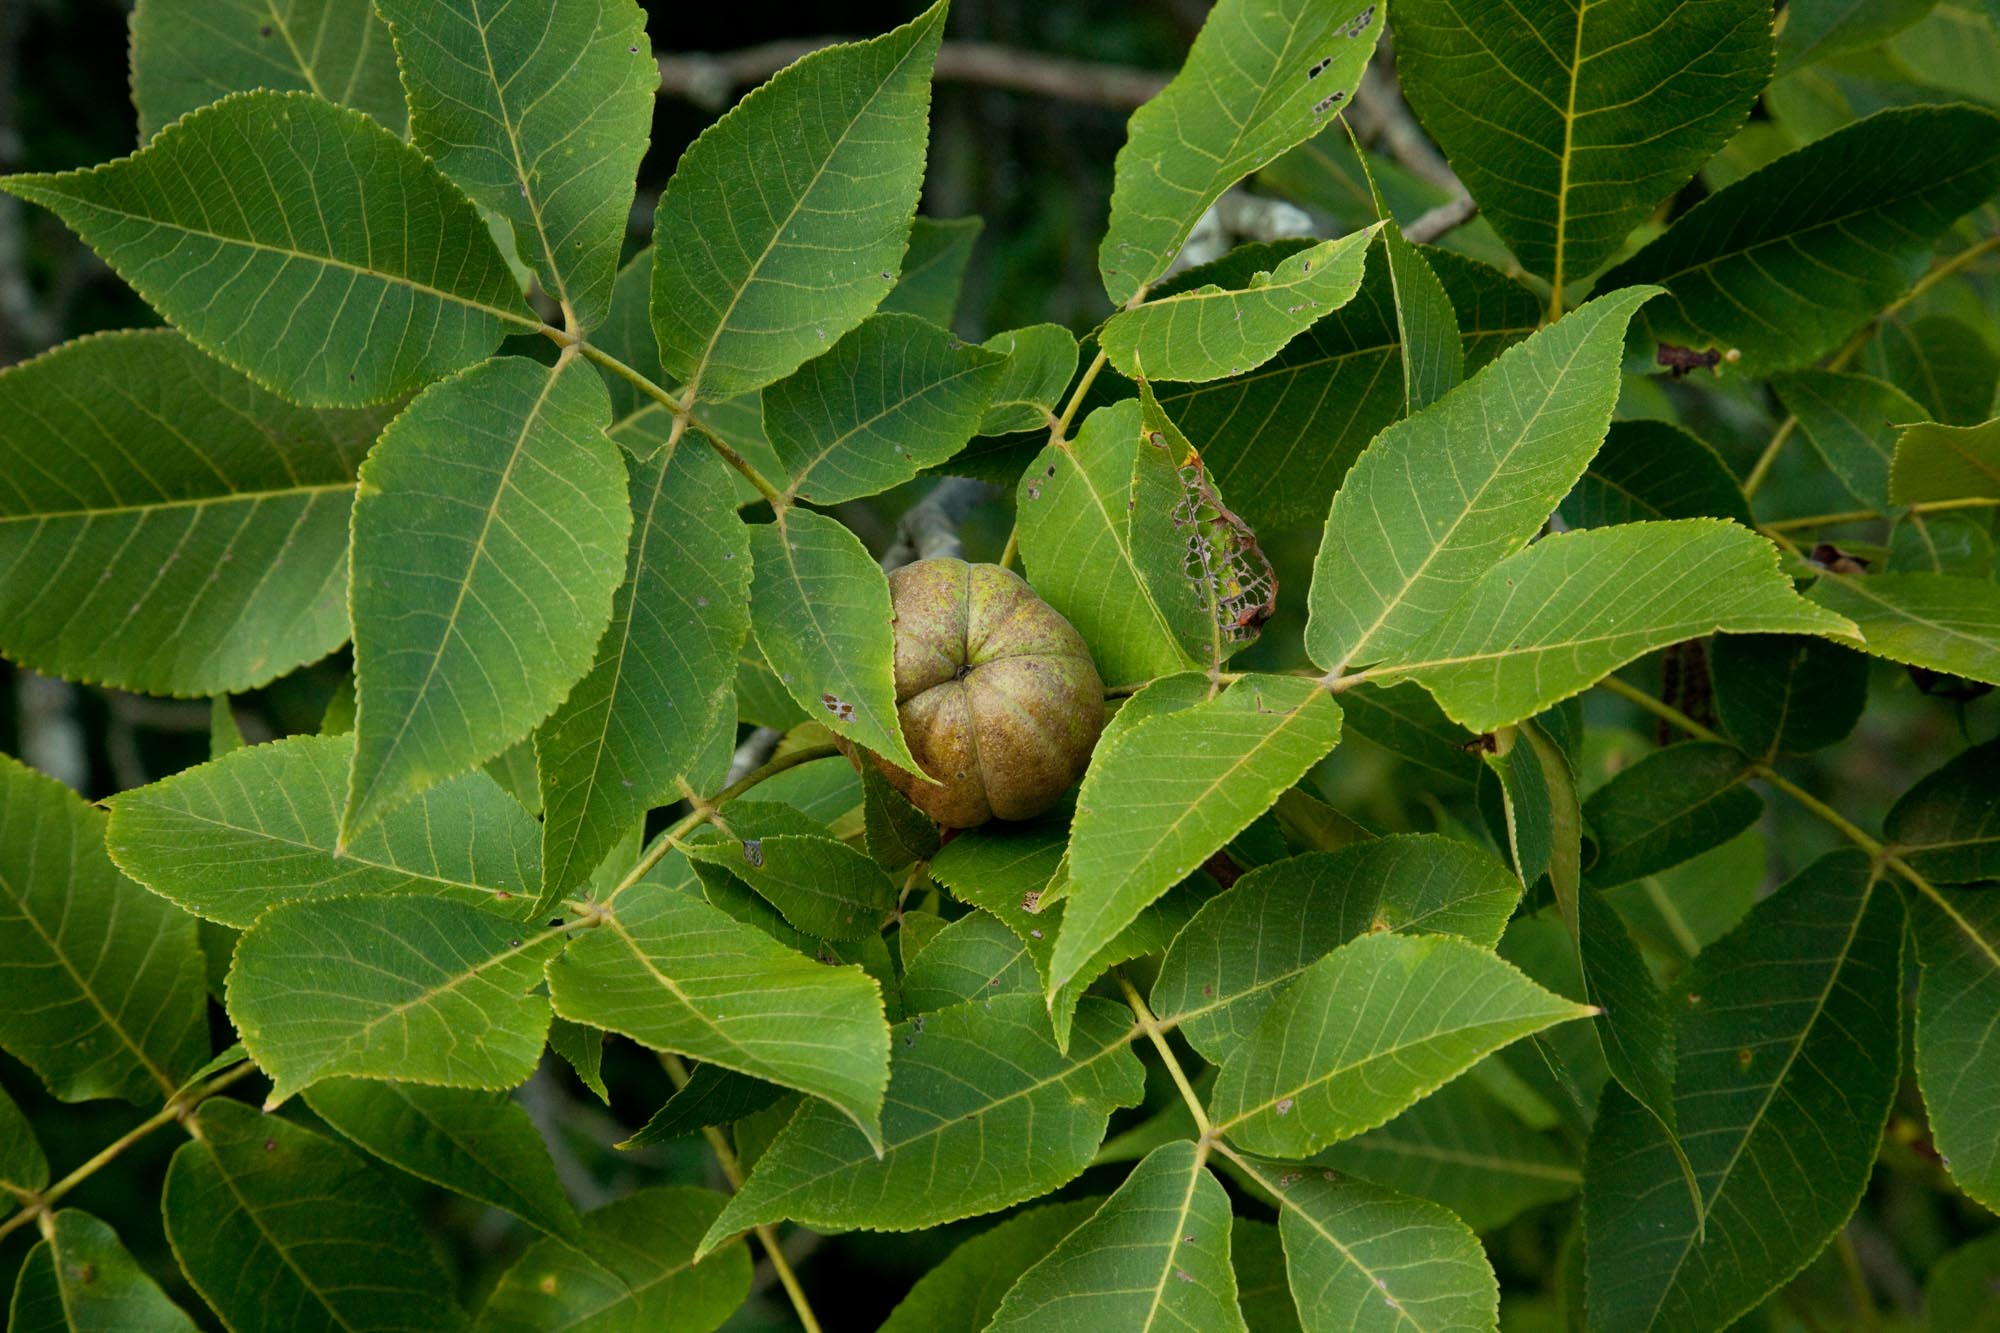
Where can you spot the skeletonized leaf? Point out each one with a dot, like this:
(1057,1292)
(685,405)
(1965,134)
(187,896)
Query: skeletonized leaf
(1085,556)
(542,114)
(1945,622)
(820,609)
(81,1279)
(893,397)
(1209,332)
(1948,825)
(1243,947)
(187,53)
(1946,463)
(289,236)
(1558,617)
(1162,797)
(658,708)
(1958,1050)
(784,223)
(961,1294)
(671,972)
(230,838)
(983,1111)
(1258,80)
(1368,1030)
(1363,1258)
(1156,1253)
(479,1144)
(1785,693)
(426,990)
(282,1230)
(1671,806)
(633,1269)
(489,538)
(1462,1147)
(1787,1038)
(104,979)
(1442,495)
(1850,420)
(186,530)
(1788,261)
(1569,123)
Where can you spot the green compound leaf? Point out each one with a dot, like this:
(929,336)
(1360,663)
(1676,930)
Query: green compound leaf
(890,399)
(933,269)
(1210,332)
(1946,463)
(1162,797)
(1948,825)
(1850,421)
(1368,1030)
(489,538)
(1787,694)
(1569,123)
(785,222)
(633,1268)
(1041,362)
(1670,807)
(671,972)
(972,958)
(961,1294)
(1791,259)
(541,113)
(24,1168)
(1944,622)
(821,886)
(1558,617)
(166,525)
(281,1230)
(1087,557)
(1362,1258)
(711,1096)
(658,708)
(1464,1148)
(1154,1254)
(983,1111)
(1259,79)
(1958,1049)
(187,53)
(478,1144)
(1787,1037)
(259,826)
(1400,547)
(80,1279)
(1654,469)
(301,243)
(1817,29)
(819,606)
(104,979)
(421,989)
(1246,945)
(1279,439)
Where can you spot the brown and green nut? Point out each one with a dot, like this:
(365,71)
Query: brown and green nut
(998,697)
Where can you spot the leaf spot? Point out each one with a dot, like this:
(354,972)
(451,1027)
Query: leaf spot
(842,710)
(1284,1106)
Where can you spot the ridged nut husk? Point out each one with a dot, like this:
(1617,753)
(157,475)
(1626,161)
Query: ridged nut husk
(998,697)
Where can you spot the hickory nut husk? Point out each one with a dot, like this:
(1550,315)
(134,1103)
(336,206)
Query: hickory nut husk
(998,697)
